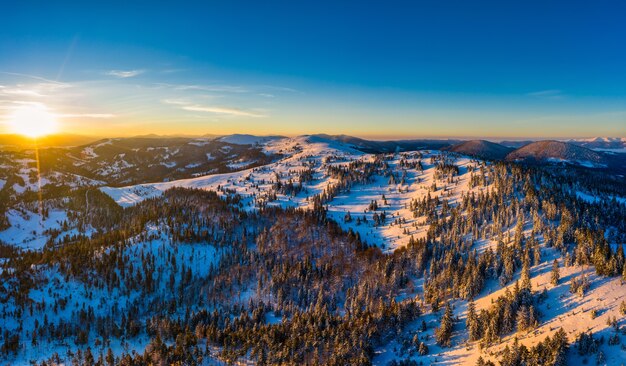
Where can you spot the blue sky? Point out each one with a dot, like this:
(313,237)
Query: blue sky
(373,69)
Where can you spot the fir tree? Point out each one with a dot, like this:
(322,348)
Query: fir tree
(443,334)
(522,319)
(556,275)
(423,349)
(472,322)
(526,284)
(110,358)
(482,362)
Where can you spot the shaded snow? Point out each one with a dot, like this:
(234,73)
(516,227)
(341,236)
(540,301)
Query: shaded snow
(592,199)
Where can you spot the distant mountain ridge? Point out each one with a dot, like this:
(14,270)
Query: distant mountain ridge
(246,139)
(481,148)
(556,151)
(390,146)
(145,159)
(68,139)
(174,156)
(608,143)
(17,142)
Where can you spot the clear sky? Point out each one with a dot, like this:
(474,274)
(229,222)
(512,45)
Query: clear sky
(385,69)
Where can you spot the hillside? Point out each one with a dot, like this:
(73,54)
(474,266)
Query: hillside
(132,160)
(482,149)
(556,151)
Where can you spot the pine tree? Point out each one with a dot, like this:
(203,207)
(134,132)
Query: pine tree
(619,259)
(472,322)
(556,275)
(443,334)
(526,284)
(522,319)
(533,322)
(110,358)
(537,254)
(482,362)
(559,348)
(88,357)
(423,349)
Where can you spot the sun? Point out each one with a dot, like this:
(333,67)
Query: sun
(33,120)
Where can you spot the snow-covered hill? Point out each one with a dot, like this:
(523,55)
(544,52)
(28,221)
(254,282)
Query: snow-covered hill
(392,188)
(297,152)
(557,152)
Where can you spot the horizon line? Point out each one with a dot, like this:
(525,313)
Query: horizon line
(372,137)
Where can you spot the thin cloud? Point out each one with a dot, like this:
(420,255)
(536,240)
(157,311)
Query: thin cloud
(279,88)
(267,91)
(35,77)
(547,94)
(214,88)
(33,89)
(25,92)
(175,102)
(87,115)
(222,110)
(193,107)
(125,73)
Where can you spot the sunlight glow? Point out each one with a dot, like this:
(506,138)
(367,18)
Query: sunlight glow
(33,120)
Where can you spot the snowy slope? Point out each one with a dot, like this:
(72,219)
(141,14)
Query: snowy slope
(319,153)
(296,150)
(561,309)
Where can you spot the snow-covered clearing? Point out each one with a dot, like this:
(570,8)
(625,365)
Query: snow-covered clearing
(28,229)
